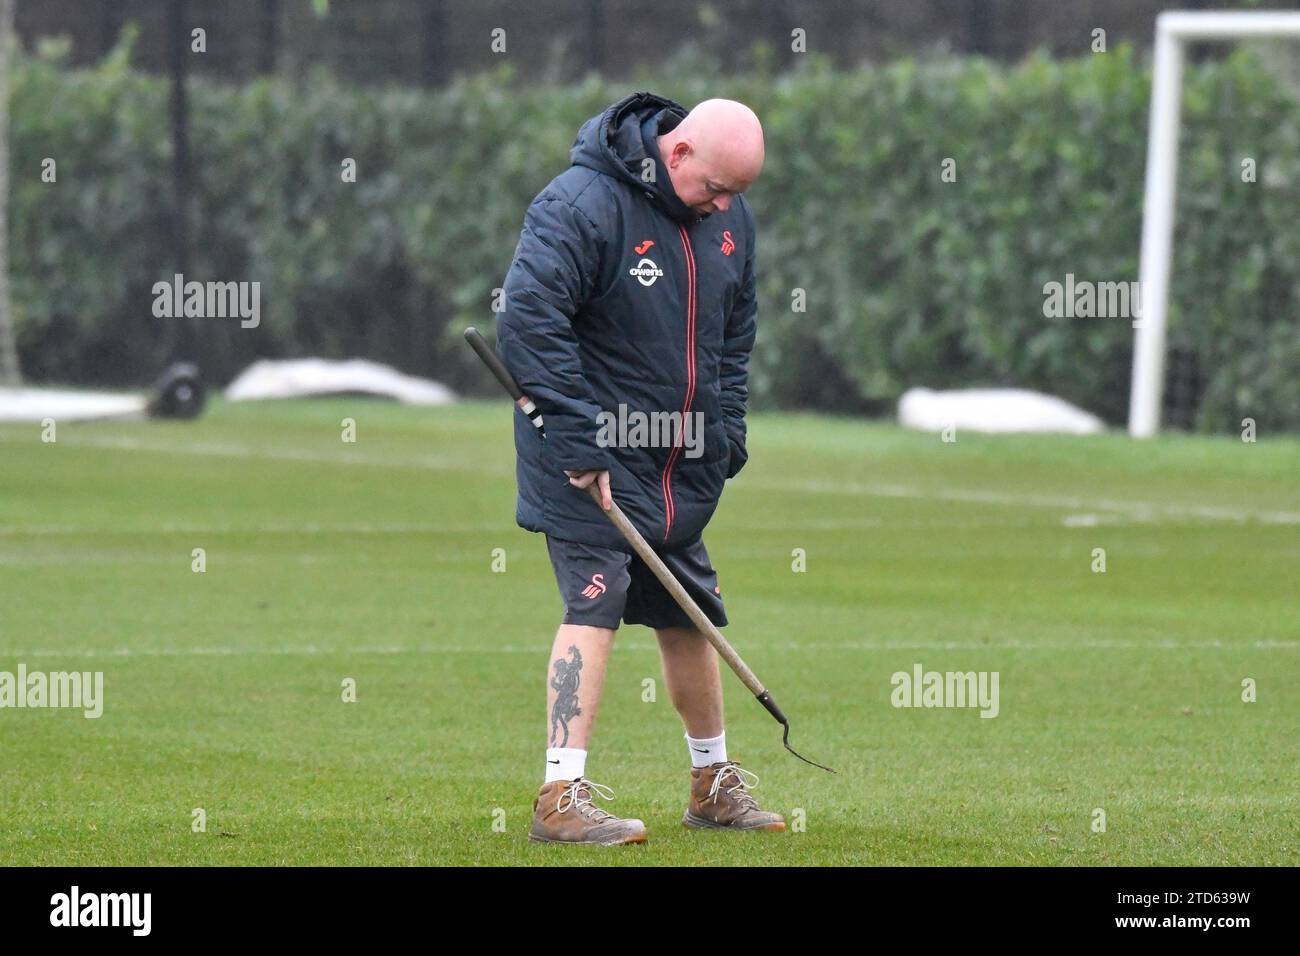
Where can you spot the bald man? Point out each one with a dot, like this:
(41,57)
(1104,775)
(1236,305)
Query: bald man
(629,318)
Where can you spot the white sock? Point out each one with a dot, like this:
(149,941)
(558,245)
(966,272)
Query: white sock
(707,750)
(565,763)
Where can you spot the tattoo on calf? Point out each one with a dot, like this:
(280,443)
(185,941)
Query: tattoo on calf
(565,682)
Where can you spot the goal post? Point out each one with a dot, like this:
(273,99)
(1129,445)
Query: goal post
(1173,30)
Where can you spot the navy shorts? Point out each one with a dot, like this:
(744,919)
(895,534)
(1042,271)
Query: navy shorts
(601,586)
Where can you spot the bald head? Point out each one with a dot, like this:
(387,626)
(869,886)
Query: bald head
(713,154)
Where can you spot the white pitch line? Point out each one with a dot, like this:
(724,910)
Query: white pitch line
(171,527)
(543,646)
(307,650)
(310,527)
(230,450)
(1043,645)
(1138,510)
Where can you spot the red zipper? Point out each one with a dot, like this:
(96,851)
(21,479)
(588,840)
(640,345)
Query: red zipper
(666,479)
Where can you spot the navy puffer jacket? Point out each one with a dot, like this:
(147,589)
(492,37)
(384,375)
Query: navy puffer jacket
(620,294)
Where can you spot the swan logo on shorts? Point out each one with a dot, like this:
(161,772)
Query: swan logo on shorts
(596,588)
(646,272)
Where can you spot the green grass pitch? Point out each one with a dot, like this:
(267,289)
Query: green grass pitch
(1119,691)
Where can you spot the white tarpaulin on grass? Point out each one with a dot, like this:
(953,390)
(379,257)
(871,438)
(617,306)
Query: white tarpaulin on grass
(38,404)
(994,410)
(302,378)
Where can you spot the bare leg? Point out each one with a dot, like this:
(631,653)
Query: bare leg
(574,683)
(691,673)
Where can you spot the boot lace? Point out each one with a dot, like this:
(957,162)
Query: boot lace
(740,792)
(579,794)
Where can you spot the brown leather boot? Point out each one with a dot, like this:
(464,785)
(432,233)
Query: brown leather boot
(563,813)
(720,800)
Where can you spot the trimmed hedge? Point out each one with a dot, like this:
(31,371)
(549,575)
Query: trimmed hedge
(909,280)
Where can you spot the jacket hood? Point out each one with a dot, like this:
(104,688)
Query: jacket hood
(612,143)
